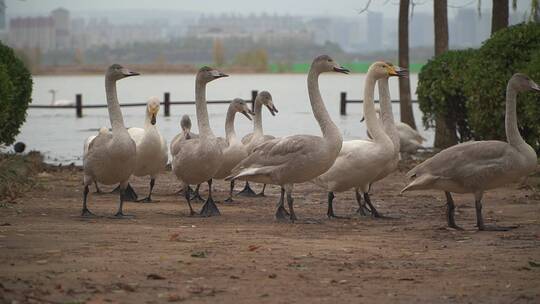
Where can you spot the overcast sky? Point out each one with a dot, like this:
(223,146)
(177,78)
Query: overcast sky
(293,7)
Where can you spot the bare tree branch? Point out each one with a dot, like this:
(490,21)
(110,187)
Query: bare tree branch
(366,7)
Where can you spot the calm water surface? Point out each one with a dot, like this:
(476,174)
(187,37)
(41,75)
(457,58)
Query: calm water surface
(60,135)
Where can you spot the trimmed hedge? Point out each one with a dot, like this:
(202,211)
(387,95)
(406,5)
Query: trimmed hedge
(468,87)
(15,94)
(440,91)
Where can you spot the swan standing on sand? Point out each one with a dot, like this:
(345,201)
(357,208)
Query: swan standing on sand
(233,149)
(111,156)
(198,160)
(152,154)
(59,102)
(362,162)
(257,137)
(297,158)
(87,142)
(477,166)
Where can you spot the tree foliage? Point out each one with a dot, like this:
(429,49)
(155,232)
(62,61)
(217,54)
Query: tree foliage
(15,94)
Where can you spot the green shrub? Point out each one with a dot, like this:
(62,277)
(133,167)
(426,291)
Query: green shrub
(15,94)
(440,91)
(508,51)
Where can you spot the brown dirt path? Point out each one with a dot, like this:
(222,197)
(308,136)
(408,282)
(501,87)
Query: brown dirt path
(49,255)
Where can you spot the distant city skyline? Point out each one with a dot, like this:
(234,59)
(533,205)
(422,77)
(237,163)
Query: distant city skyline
(298,7)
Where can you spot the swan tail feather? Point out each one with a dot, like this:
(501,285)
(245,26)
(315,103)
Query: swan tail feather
(421,182)
(250,172)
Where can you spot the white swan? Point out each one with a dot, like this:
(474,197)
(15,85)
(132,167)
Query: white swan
(410,140)
(477,166)
(297,158)
(110,157)
(152,155)
(197,160)
(59,102)
(257,137)
(233,149)
(362,162)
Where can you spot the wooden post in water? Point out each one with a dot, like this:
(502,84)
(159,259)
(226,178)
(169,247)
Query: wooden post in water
(167,104)
(343,103)
(78,105)
(254,94)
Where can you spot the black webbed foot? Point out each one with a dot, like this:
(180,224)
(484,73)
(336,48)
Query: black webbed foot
(209,208)
(247,191)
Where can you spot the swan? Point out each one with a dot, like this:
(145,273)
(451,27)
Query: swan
(89,139)
(410,140)
(477,166)
(152,153)
(198,160)
(233,149)
(257,137)
(296,158)
(185,134)
(59,102)
(362,162)
(110,157)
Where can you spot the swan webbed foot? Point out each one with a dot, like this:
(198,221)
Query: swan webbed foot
(373,210)
(363,211)
(88,214)
(129,194)
(229,200)
(121,216)
(497,228)
(282,214)
(247,191)
(146,200)
(195,195)
(209,208)
(261,194)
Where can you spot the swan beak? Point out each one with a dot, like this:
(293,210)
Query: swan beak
(217,74)
(341,70)
(128,73)
(535,87)
(153,120)
(246,114)
(398,71)
(272,109)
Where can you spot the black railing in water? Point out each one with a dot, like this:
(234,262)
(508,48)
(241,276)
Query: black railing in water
(343,101)
(78,106)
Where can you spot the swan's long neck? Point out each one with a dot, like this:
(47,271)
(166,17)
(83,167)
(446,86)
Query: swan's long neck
(512,132)
(148,120)
(387,116)
(115,115)
(202,111)
(230,134)
(257,120)
(373,124)
(328,128)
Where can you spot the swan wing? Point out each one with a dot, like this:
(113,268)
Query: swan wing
(137,134)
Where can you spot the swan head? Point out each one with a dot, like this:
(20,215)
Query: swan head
(522,83)
(325,63)
(185,123)
(152,108)
(383,69)
(207,74)
(265,98)
(240,106)
(117,72)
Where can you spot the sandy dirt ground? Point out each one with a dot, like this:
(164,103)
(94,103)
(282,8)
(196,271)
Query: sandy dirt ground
(50,255)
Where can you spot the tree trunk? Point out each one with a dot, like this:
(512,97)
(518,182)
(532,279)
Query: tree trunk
(499,15)
(445,129)
(405,105)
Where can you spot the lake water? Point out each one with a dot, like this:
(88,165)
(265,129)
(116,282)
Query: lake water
(60,135)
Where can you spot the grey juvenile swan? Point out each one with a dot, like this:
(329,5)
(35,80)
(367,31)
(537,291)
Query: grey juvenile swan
(477,166)
(257,137)
(296,158)
(198,160)
(233,149)
(111,156)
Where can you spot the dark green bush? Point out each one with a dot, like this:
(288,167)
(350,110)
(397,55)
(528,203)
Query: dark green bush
(15,94)
(508,51)
(440,91)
